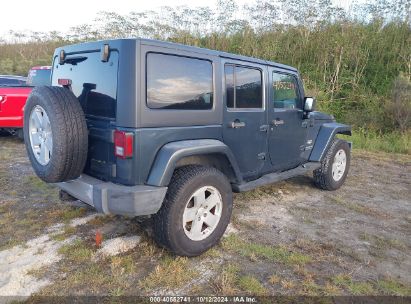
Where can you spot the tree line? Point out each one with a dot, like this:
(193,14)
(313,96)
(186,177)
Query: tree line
(356,60)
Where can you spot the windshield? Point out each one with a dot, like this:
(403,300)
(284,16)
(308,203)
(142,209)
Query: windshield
(39,77)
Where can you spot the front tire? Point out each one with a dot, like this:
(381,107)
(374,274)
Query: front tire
(334,166)
(195,212)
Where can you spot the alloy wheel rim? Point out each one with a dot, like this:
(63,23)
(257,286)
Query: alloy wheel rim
(202,213)
(41,135)
(339,165)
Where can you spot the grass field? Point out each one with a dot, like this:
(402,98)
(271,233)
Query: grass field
(289,238)
(394,142)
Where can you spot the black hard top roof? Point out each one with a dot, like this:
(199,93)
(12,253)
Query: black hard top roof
(184,47)
(117,43)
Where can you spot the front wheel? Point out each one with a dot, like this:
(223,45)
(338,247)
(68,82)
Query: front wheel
(195,212)
(334,166)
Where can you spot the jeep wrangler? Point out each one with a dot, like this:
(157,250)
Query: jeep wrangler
(142,127)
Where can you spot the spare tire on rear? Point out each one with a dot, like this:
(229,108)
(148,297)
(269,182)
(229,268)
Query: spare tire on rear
(55,134)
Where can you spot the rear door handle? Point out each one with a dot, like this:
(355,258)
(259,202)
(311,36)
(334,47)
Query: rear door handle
(236,124)
(278,122)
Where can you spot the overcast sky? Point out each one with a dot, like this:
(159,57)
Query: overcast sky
(48,15)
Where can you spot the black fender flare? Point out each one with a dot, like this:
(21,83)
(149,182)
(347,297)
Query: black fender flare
(168,156)
(324,138)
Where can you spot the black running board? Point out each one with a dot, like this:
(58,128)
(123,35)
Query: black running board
(275,177)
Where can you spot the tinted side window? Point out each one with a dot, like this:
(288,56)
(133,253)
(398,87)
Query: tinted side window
(243,87)
(285,91)
(175,82)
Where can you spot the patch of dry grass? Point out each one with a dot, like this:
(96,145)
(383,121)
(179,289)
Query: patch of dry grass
(121,265)
(331,290)
(357,207)
(273,253)
(148,247)
(171,272)
(288,284)
(78,251)
(251,286)
(274,279)
(66,214)
(226,282)
(101,220)
(379,244)
(68,232)
(389,286)
(310,288)
(90,275)
(356,288)
(16,226)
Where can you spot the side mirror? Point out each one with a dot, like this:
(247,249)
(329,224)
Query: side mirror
(309,104)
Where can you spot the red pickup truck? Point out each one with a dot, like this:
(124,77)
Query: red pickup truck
(13,97)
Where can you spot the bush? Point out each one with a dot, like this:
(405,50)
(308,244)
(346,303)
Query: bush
(399,108)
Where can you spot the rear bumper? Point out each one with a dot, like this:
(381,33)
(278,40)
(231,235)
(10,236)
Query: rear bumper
(111,198)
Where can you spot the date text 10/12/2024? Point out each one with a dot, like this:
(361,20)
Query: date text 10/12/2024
(200,299)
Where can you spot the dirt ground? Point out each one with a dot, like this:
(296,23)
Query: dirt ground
(286,239)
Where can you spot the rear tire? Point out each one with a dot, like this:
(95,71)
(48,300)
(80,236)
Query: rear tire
(334,166)
(55,134)
(173,228)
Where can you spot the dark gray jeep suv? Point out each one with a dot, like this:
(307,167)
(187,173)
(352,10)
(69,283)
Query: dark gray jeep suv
(143,127)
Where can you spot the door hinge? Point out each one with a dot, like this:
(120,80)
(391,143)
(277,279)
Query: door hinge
(261,156)
(264,128)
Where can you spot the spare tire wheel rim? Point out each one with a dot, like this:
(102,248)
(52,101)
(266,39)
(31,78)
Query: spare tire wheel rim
(202,213)
(41,139)
(339,165)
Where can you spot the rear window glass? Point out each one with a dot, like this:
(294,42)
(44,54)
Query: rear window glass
(175,82)
(39,77)
(94,82)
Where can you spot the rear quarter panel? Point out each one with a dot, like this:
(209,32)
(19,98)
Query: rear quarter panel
(147,143)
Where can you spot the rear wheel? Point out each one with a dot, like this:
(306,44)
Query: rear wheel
(334,166)
(55,134)
(195,212)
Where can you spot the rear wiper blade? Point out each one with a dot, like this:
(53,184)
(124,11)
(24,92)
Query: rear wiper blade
(74,60)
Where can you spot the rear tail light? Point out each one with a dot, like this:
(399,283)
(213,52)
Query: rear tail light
(123,144)
(64,82)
